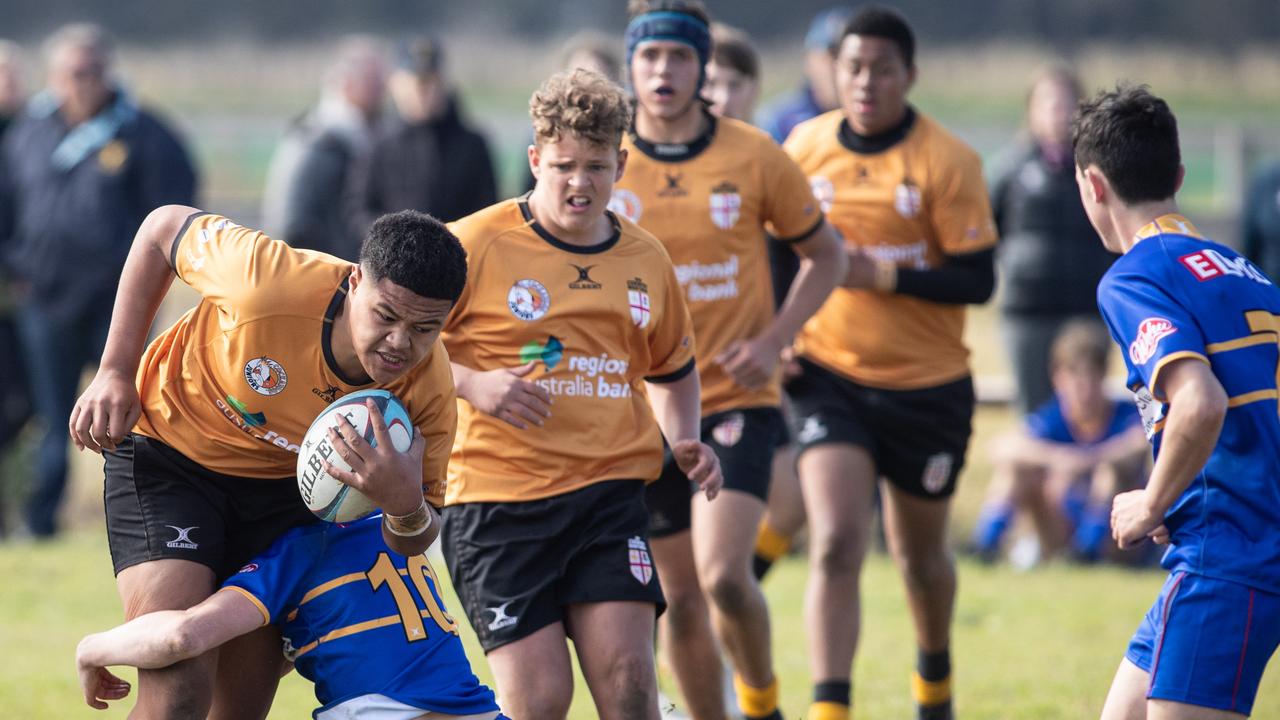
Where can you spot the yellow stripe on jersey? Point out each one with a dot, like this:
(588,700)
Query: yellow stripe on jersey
(1164,362)
(266,616)
(355,629)
(1264,338)
(1252,397)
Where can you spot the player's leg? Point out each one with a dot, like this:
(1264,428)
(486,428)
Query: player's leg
(784,514)
(534,675)
(916,529)
(724,535)
(1127,699)
(248,674)
(838,490)
(613,643)
(185,689)
(685,636)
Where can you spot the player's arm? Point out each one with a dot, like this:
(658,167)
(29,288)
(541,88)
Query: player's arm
(160,639)
(504,394)
(677,405)
(109,407)
(964,279)
(823,265)
(1197,409)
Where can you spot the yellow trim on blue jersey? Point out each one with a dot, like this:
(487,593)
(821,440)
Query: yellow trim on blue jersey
(266,616)
(1263,338)
(1170,223)
(1252,397)
(1155,372)
(354,629)
(333,584)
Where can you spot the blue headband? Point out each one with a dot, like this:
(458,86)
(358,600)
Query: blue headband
(670,25)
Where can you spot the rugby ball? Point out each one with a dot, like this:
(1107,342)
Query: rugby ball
(324,494)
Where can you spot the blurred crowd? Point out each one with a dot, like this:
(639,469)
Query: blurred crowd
(81,164)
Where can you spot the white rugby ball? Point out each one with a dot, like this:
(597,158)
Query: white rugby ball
(324,494)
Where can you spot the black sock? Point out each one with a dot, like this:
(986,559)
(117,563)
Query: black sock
(833,691)
(760,566)
(935,666)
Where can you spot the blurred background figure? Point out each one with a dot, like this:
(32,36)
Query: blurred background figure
(303,200)
(1068,459)
(15,401)
(732,85)
(83,165)
(1050,259)
(431,160)
(1260,224)
(818,92)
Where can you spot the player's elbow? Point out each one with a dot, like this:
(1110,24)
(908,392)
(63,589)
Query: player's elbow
(186,640)
(163,224)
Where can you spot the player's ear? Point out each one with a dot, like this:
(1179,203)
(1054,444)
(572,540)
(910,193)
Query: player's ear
(1182,174)
(535,160)
(1094,184)
(622,164)
(357,275)
(912,73)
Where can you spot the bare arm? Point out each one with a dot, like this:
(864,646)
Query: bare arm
(160,639)
(109,407)
(677,406)
(823,264)
(1197,409)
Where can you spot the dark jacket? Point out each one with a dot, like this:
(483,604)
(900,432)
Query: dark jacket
(1050,258)
(66,233)
(440,167)
(1261,222)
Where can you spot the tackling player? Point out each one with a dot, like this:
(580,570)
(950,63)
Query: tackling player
(341,597)
(571,317)
(1198,324)
(886,389)
(709,188)
(201,434)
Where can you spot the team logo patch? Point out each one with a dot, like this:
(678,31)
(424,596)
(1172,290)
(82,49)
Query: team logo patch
(584,281)
(183,540)
(265,376)
(729,430)
(672,188)
(823,191)
(528,299)
(937,470)
(906,200)
(726,205)
(549,353)
(813,430)
(251,567)
(500,617)
(639,560)
(112,157)
(1150,332)
(328,394)
(638,299)
(625,203)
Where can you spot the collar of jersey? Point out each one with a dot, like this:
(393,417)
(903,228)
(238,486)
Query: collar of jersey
(675,152)
(570,247)
(1171,223)
(326,335)
(870,144)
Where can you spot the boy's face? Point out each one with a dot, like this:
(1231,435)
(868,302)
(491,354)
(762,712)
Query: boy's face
(732,94)
(392,327)
(575,181)
(664,74)
(1078,386)
(872,79)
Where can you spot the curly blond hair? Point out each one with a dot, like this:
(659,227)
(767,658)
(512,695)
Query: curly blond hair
(580,103)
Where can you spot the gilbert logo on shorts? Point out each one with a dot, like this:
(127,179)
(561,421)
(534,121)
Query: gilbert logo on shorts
(183,540)
(265,376)
(528,299)
(1150,332)
(638,559)
(500,617)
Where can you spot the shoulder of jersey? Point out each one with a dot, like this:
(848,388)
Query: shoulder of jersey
(632,233)
(488,223)
(813,132)
(741,131)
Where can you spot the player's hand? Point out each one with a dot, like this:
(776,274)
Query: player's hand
(106,412)
(699,463)
(505,395)
(392,480)
(1132,519)
(862,269)
(790,365)
(98,684)
(751,363)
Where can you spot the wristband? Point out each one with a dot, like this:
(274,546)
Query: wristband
(411,525)
(886,279)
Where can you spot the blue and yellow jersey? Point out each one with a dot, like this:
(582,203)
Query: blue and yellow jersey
(1050,424)
(1176,295)
(358,618)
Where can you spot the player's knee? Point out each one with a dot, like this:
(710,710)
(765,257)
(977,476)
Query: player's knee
(543,700)
(729,592)
(686,609)
(634,682)
(836,555)
(926,570)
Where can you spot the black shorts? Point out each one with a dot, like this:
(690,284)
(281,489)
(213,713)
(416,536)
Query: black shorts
(161,504)
(517,565)
(917,438)
(744,441)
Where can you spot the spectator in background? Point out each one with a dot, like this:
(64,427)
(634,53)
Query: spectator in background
(431,161)
(15,401)
(83,165)
(1049,257)
(1069,458)
(303,201)
(733,74)
(1261,222)
(818,92)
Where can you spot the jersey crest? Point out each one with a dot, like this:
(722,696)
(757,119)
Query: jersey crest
(638,299)
(726,205)
(639,560)
(1150,332)
(528,299)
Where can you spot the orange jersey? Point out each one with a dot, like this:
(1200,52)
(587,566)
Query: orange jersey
(912,203)
(710,203)
(236,382)
(597,321)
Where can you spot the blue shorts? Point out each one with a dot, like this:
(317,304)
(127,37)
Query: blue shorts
(1206,642)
